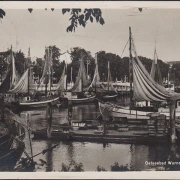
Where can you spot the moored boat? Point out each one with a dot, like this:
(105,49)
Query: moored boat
(38,104)
(145,88)
(79,93)
(31,99)
(104,93)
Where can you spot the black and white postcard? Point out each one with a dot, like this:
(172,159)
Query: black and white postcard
(89,89)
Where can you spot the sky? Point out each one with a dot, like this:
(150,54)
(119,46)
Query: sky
(42,28)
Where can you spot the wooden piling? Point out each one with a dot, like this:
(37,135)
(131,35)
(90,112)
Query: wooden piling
(49,119)
(172,107)
(69,112)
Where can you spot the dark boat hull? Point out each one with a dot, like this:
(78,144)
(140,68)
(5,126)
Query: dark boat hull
(82,100)
(109,97)
(38,104)
(8,159)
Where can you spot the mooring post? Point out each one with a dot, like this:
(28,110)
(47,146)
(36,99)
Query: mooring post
(172,108)
(69,112)
(29,134)
(49,120)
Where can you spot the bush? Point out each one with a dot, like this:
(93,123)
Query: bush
(72,167)
(116,167)
(100,168)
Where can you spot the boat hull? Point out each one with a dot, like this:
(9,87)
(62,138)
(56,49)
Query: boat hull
(82,100)
(38,104)
(125,112)
(109,97)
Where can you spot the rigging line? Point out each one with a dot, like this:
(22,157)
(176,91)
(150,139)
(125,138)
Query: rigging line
(125,47)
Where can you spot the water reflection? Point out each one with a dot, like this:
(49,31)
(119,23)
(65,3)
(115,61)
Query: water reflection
(93,154)
(49,156)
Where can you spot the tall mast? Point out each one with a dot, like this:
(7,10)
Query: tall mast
(96,70)
(46,75)
(108,75)
(130,67)
(28,78)
(29,55)
(65,74)
(71,76)
(29,71)
(50,69)
(81,73)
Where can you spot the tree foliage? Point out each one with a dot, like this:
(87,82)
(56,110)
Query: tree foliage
(38,67)
(81,17)
(76,54)
(21,62)
(57,66)
(2,13)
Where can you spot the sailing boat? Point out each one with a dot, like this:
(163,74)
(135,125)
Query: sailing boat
(155,70)
(22,87)
(79,92)
(102,92)
(109,93)
(156,75)
(11,77)
(144,89)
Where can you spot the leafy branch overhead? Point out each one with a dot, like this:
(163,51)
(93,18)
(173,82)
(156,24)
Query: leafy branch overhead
(2,13)
(80,17)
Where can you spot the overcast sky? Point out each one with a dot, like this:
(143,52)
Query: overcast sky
(43,28)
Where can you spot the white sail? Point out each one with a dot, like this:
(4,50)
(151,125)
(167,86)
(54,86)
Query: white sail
(22,86)
(61,85)
(46,76)
(82,83)
(14,78)
(96,78)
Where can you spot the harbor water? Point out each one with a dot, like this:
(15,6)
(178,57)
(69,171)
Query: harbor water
(130,156)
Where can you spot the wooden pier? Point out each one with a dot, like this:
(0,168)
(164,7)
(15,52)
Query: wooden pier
(140,134)
(153,130)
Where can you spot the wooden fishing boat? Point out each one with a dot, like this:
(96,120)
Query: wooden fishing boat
(39,104)
(117,111)
(110,96)
(84,100)
(30,99)
(109,92)
(79,92)
(145,88)
(104,92)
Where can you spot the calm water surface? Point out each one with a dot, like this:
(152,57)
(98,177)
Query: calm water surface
(93,154)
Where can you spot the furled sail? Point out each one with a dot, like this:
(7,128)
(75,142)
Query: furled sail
(61,85)
(96,78)
(144,86)
(155,70)
(82,83)
(14,78)
(109,82)
(22,86)
(46,76)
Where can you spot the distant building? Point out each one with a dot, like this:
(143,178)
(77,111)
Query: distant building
(173,62)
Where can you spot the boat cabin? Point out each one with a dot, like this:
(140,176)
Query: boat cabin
(143,104)
(70,95)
